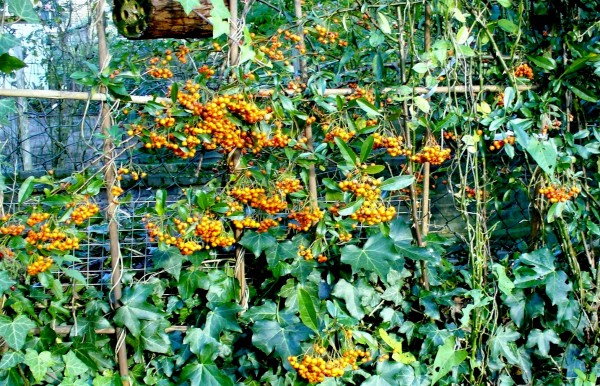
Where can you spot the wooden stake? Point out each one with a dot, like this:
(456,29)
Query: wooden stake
(110,180)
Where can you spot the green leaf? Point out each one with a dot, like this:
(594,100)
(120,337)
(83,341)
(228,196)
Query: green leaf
(26,189)
(38,363)
(374,256)
(219,17)
(365,149)
(14,332)
(502,343)
(578,64)
(420,68)
(586,94)
(378,67)
(9,63)
(352,208)
(508,26)
(347,153)
(170,260)
(189,5)
(206,374)
(222,318)
(542,62)
(505,3)
(350,294)
(505,285)
(7,108)
(257,242)
(135,308)
(542,340)
(446,359)
(509,97)
(544,153)
(24,10)
(161,197)
(383,23)
(189,282)
(367,107)
(308,309)
(7,41)
(11,359)
(153,336)
(203,345)
(5,282)
(558,287)
(518,126)
(283,337)
(74,367)
(398,355)
(422,104)
(397,183)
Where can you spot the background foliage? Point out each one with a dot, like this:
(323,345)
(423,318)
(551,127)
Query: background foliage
(339,287)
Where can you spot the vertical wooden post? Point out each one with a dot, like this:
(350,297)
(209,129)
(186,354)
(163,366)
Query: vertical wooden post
(301,69)
(111,210)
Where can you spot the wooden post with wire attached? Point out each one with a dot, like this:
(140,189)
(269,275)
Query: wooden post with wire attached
(111,210)
(300,65)
(236,155)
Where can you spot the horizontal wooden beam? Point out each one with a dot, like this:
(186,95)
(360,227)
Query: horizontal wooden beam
(143,99)
(66,330)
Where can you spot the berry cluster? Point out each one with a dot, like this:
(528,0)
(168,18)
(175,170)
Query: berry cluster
(273,49)
(83,212)
(158,69)
(361,93)
(12,229)
(339,132)
(524,71)
(288,185)
(315,368)
(247,222)
(365,186)
(51,239)
(266,224)
(435,155)
(499,144)
(393,144)
(212,233)
(372,212)
(449,136)
(305,219)
(556,194)
(206,71)
(41,264)
(36,218)
(472,193)
(327,37)
(116,191)
(499,99)
(305,253)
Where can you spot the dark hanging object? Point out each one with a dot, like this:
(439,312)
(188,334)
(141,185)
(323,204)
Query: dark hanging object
(155,19)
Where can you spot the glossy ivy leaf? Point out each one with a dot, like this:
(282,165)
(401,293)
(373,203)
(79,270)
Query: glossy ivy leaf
(446,359)
(205,373)
(283,336)
(349,293)
(257,242)
(389,373)
(170,260)
(222,317)
(38,363)
(135,308)
(189,5)
(9,63)
(24,10)
(74,367)
(375,256)
(14,332)
(10,359)
(5,282)
(502,343)
(26,189)
(219,18)
(204,346)
(542,339)
(190,282)
(153,336)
